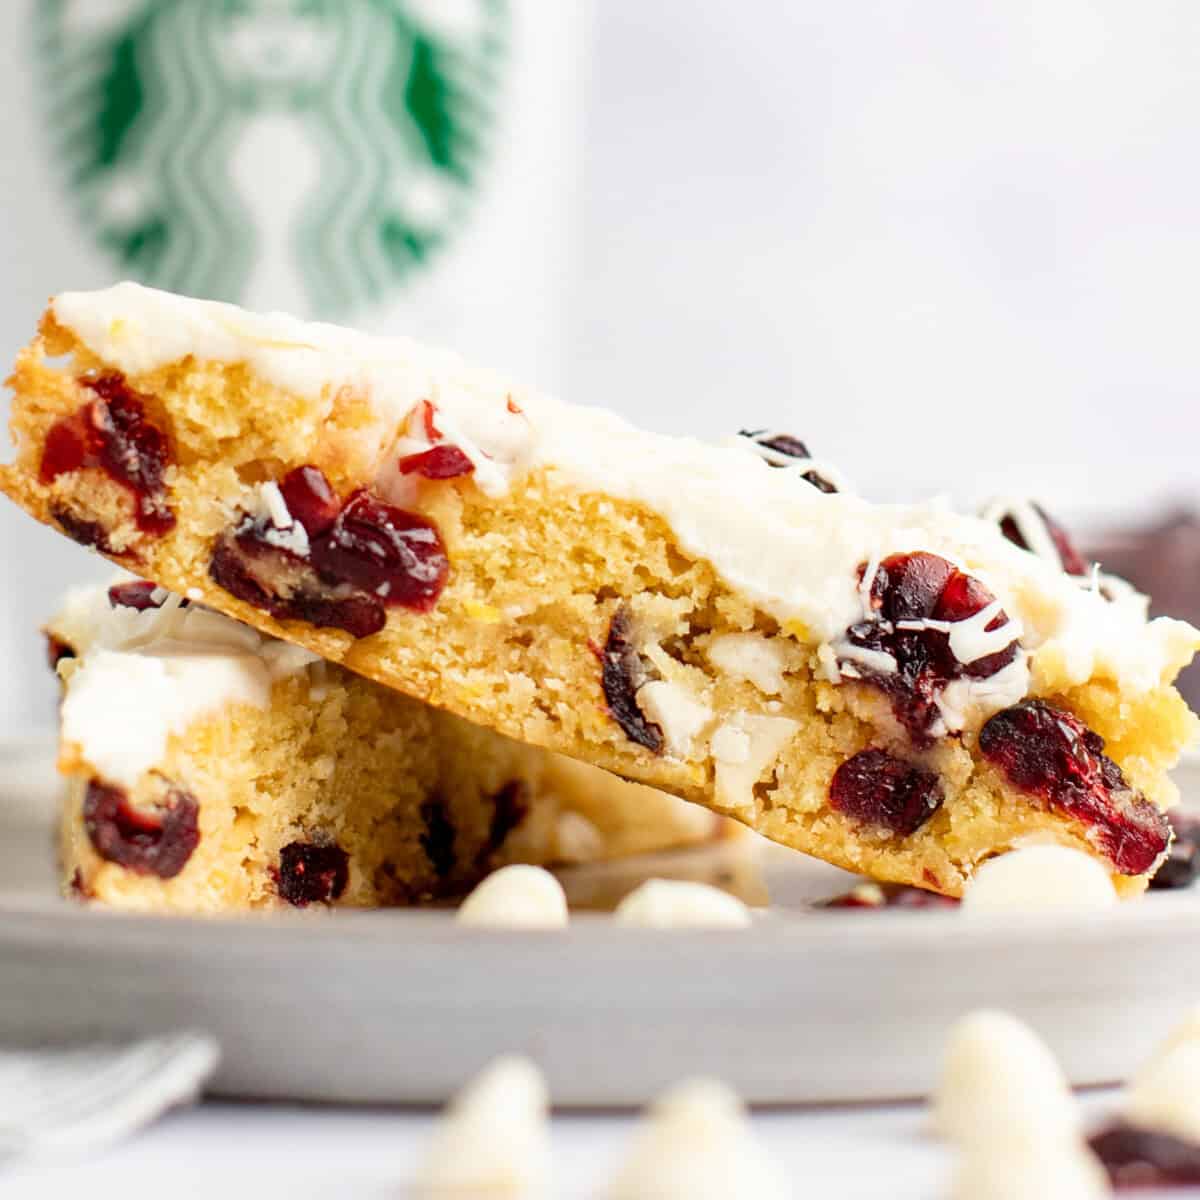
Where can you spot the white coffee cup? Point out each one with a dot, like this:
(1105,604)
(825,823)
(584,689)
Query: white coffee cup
(402,166)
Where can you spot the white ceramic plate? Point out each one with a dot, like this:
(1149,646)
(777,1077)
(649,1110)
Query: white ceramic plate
(402,1006)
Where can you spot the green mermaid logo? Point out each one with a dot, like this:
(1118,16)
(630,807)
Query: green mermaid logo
(310,154)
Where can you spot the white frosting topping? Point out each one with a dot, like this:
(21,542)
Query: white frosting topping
(792,549)
(141,676)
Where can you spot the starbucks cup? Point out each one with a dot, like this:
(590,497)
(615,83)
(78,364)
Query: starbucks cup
(399,165)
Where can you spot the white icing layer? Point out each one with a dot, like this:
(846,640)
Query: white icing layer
(139,677)
(792,549)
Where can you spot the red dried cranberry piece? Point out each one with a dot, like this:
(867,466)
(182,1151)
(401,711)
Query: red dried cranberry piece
(1051,754)
(138,594)
(57,650)
(311,874)
(113,433)
(789,447)
(892,895)
(91,534)
(510,808)
(384,550)
(438,839)
(1182,863)
(1139,1158)
(65,449)
(621,674)
(438,462)
(364,556)
(876,788)
(310,499)
(232,567)
(1072,561)
(907,591)
(157,841)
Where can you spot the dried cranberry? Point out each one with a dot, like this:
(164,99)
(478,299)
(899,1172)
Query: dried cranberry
(87,533)
(876,788)
(310,499)
(65,448)
(438,839)
(363,557)
(311,874)
(138,594)
(156,841)
(1182,863)
(1051,754)
(232,567)
(907,592)
(621,674)
(1137,1157)
(394,554)
(1072,561)
(438,462)
(789,447)
(57,650)
(891,895)
(113,433)
(510,806)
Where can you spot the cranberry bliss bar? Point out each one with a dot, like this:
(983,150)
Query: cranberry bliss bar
(898,689)
(213,769)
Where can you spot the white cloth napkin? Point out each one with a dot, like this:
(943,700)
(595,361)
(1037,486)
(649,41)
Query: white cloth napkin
(60,1102)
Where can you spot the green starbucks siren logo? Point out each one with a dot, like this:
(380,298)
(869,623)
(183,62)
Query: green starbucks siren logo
(301,153)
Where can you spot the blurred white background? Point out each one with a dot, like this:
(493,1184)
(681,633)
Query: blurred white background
(953,246)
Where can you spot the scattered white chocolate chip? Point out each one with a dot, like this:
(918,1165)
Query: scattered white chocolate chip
(1165,1094)
(492,1140)
(999,1082)
(696,1144)
(681,904)
(764,740)
(516,897)
(676,712)
(752,657)
(1067,1172)
(1039,879)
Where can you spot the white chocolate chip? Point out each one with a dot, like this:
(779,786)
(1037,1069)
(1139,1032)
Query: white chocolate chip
(578,840)
(273,505)
(681,904)
(1039,879)
(730,744)
(492,1140)
(765,740)
(676,712)
(516,897)
(752,657)
(1000,1083)
(1165,1094)
(1068,1172)
(696,1144)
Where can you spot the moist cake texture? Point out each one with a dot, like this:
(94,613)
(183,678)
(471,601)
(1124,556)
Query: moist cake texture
(213,769)
(901,690)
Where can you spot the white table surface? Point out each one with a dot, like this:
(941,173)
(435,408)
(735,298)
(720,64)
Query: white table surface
(234,1150)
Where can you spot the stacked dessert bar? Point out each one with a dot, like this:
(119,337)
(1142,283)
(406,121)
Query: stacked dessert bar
(377,527)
